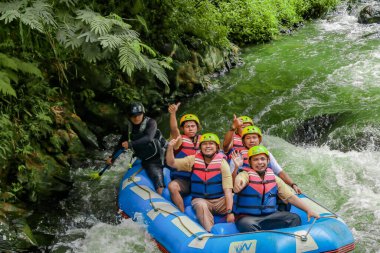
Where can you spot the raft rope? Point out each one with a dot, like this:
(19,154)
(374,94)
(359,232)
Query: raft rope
(200,237)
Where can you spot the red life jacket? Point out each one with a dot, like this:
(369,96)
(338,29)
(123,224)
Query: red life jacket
(259,197)
(188,147)
(206,182)
(237,142)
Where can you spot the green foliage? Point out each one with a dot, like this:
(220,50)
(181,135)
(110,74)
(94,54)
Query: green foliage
(38,15)
(6,135)
(250,20)
(9,69)
(316,8)
(103,37)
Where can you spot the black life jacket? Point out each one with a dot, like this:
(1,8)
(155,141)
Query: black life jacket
(146,151)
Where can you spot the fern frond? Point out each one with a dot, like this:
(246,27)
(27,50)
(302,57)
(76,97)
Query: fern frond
(44,12)
(29,68)
(11,10)
(100,25)
(92,53)
(69,3)
(29,18)
(5,85)
(7,62)
(86,16)
(12,75)
(148,49)
(118,21)
(67,35)
(130,59)
(111,41)
(153,66)
(166,63)
(10,15)
(89,36)
(143,23)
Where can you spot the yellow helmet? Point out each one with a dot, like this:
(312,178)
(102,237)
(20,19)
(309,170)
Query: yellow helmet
(251,130)
(256,150)
(189,117)
(209,137)
(246,119)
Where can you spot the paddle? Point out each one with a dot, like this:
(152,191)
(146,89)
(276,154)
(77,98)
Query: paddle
(97,175)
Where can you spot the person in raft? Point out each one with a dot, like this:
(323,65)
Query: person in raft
(147,143)
(211,181)
(187,145)
(232,139)
(252,136)
(256,189)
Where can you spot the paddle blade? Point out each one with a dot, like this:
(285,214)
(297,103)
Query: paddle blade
(95,176)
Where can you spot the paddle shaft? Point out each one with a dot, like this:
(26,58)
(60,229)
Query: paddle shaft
(117,154)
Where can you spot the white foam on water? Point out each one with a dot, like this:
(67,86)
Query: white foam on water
(126,237)
(362,73)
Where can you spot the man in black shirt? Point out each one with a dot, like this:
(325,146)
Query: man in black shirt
(147,143)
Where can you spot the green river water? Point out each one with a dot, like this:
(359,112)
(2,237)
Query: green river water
(316,96)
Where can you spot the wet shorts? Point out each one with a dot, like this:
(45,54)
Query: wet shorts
(184,185)
(154,169)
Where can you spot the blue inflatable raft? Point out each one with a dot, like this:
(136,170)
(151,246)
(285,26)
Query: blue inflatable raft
(175,231)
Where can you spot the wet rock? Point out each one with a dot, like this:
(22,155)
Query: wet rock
(83,132)
(370,14)
(43,177)
(315,130)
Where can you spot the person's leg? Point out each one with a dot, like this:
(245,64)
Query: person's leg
(155,173)
(248,224)
(280,220)
(175,194)
(203,212)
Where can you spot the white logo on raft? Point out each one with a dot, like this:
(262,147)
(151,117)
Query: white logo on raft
(243,247)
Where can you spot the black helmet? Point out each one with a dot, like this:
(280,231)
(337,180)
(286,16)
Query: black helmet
(136,108)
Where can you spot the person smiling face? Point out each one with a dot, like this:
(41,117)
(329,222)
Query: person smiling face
(209,148)
(259,163)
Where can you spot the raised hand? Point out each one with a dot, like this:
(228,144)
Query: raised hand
(237,158)
(173,142)
(236,123)
(173,108)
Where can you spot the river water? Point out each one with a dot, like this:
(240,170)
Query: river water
(316,96)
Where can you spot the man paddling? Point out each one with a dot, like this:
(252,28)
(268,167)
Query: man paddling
(147,143)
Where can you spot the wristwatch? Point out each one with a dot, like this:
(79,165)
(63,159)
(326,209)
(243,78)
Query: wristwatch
(229,211)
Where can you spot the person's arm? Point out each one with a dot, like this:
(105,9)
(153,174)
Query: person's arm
(150,131)
(227,188)
(174,131)
(287,195)
(241,181)
(282,174)
(124,137)
(228,138)
(294,200)
(286,178)
(170,159)
(229,203)
(180,164)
